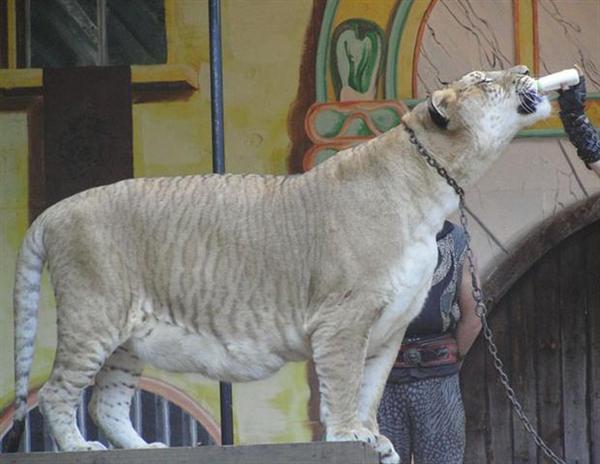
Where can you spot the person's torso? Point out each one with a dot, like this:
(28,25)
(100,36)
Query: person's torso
(430,335)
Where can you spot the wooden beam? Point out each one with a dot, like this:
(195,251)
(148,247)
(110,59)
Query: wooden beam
(143,78)
(296,453)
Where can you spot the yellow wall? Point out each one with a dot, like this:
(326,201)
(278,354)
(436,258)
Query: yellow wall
(262,47)
(13,211)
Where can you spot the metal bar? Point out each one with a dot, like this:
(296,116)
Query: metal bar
(27,445)
(225,392)
(218,149)
(137,411)
(216,87)
(164,421)
(102,37)
(193,431)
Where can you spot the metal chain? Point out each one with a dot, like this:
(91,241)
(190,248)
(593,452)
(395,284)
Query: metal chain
(481,308)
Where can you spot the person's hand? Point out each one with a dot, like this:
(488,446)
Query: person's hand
(572,100)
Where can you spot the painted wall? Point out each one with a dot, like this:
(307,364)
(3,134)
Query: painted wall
(427,43)
(539,176)
(271,80)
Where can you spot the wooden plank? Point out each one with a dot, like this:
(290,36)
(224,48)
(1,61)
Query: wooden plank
(523,326)
(592,248)
(546,279)
(29,81)
(161,73)
(574,351)
(297,453)
(472,379)
(499,438)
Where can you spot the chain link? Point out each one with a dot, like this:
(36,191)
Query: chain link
(481,308)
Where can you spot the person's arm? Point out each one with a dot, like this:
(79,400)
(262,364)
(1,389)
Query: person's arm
(595,166)
(469,325)
(577,125)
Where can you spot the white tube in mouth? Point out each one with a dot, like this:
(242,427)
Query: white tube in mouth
(555,81)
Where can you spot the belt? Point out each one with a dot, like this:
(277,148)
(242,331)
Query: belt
(431,352)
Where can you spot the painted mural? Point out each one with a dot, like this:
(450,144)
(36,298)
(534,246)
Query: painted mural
(318,76)
(358,62)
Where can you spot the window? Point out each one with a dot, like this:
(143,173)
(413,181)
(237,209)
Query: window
(57,33)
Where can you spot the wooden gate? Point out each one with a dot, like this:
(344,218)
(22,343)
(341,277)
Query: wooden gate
(547,328)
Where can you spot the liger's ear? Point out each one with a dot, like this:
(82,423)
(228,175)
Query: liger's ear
(439,103)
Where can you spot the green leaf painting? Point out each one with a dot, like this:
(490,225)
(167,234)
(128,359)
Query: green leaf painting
(357,52)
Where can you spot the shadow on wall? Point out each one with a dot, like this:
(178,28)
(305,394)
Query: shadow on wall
(306,94)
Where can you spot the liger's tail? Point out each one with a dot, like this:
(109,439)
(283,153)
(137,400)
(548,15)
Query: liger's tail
(28,276)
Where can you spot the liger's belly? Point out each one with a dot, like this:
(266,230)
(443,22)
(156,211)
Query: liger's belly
(235,359)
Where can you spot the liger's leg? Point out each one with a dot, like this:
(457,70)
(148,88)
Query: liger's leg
(339,352)
(111,401)
(376,372)
(79,357)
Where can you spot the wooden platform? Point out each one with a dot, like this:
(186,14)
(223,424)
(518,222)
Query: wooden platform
(296,453)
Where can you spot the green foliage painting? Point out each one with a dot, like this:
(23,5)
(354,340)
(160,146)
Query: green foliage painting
(357,59)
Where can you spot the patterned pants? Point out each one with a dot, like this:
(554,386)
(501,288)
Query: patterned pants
(425,419)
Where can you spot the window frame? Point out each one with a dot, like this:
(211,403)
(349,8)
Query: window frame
(150,82)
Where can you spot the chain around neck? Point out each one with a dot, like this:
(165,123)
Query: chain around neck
(431,161)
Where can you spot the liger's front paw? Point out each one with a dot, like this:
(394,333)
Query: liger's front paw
(387,453)
(357,433)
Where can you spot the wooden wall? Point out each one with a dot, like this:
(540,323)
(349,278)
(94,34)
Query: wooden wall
(547,328)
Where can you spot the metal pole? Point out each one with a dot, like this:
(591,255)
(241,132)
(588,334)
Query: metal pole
(218,149)
(216,86)
(102,33)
